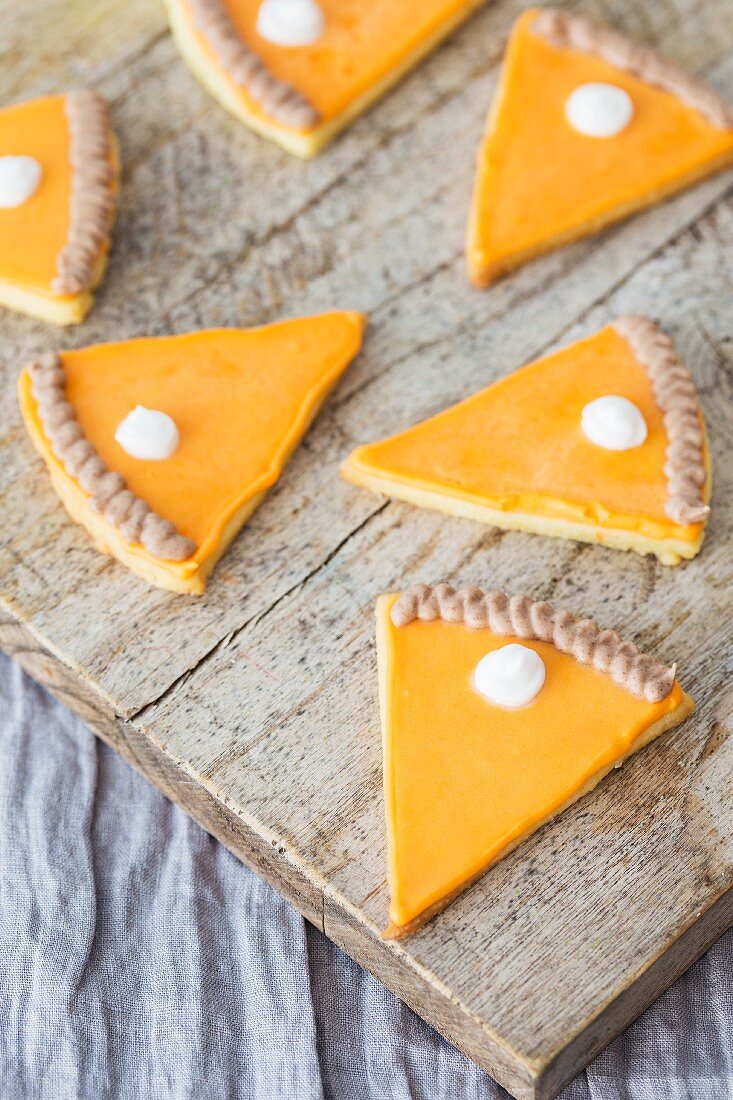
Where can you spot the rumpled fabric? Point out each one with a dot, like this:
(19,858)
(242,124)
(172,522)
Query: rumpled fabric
(141,960)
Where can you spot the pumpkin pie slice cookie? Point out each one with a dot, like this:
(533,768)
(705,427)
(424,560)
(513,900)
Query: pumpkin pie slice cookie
(58,192)
(587,127)
(163,447)
(298,71)
(602,441)
(497,714)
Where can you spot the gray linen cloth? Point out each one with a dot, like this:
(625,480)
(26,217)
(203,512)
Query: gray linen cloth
(141,960)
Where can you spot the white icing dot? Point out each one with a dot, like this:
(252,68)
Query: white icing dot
(147,433)
(19,179)
(510,676)
(290,22)
(614,423)
(599,110)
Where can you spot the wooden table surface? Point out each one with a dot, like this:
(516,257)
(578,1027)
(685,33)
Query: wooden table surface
(254,707)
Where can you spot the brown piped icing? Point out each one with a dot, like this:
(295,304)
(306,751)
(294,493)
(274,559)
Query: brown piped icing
(521,617)
(676,396)
(92,195)
(107,490)
(577,32)
(276,98)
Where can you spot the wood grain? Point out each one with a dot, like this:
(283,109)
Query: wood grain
(255,706)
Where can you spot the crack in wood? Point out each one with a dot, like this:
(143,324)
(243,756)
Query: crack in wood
(142,713)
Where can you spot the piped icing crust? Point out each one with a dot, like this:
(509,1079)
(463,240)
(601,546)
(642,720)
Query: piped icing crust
(577,32)
(107,490)
(676,396)
(92,197)
(521,617)
(276,98)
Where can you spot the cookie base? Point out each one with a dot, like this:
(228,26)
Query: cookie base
(300,143)
(656,729)
(483,273)
(668,551)
(70,310)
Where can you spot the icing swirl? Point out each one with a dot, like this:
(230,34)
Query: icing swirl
(676,396)
(521,617)
(92,195)
(576,32)
(109,495)
(279,100)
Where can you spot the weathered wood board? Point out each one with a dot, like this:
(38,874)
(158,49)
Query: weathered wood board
(255,706)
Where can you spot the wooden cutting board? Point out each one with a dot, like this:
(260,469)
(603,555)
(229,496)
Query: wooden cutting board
(254,707)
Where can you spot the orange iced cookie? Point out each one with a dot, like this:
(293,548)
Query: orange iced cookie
(497,714)
(162,448)
(58,189)
(587,127)
(602,442)
(298,71)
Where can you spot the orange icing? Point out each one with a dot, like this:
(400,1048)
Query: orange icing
(241,399)
(539,180)
(464,778)
(33,234)
(518,445)
(363,41)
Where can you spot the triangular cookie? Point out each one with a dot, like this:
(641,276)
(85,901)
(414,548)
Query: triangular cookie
(299,71)
(468,778)
(163,447)
(517,455)
(58,191)
(542,182)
